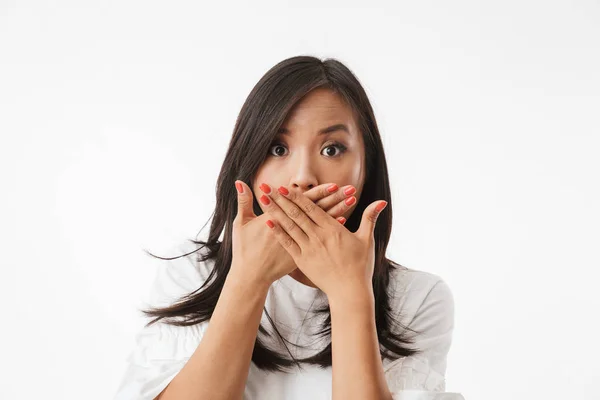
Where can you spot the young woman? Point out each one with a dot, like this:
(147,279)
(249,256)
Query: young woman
(297,300)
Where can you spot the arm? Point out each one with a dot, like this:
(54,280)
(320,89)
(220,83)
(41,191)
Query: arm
(218,368)
(357,370)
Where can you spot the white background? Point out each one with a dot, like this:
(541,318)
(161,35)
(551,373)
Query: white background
(115,117)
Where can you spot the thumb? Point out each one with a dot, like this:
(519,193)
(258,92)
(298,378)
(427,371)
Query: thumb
(245,211)
(369,218)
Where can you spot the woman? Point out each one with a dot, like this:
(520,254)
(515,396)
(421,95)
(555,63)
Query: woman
(304,207)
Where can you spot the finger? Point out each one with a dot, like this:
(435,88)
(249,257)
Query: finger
(302,210)
(279,215)
(336,197)
(284,239)
(329,195)
(318,193)
(369,218)
(342,207)
(245,198)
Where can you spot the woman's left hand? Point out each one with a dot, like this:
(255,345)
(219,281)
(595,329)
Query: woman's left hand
(336,260)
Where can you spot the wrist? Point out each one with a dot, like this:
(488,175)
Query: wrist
(352,297)
(237,278)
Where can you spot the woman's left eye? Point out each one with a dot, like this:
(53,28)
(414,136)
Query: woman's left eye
(338,146)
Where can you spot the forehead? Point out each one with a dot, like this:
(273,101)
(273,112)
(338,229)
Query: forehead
(318,107)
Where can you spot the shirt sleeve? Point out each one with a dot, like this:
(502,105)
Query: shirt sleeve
(426,395)
(162,350)
(425,372)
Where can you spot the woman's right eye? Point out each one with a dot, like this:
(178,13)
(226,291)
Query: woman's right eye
(276,145)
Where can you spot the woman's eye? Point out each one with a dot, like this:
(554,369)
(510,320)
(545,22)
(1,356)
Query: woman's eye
(276,145)
(340,147)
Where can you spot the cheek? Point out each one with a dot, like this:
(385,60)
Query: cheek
(352,173)
(357,171)
(262,175)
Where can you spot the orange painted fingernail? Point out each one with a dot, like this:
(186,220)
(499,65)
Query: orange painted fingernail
(283,191)
(349,191)
(265,200)
(332,188)
(265,188)
(350,200)
(270,223)
(342,220)
(381,206)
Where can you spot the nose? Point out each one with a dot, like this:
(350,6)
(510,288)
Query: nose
(302,184)
(302,176)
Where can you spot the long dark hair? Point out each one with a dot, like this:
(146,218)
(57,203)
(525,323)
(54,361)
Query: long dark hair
(262,114)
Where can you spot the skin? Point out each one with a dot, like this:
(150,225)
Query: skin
(227,345)
(302,159)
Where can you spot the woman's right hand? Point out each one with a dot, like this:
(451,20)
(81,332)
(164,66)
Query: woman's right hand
(256,256)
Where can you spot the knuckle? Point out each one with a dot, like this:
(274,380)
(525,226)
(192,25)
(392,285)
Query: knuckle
(309,208)
(286,241)
(290,226)
(294,212)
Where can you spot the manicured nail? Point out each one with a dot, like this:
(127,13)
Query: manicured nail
(342,220)
(381,206)
(332,188)
(239,187)
(350,200)
(283,191)
(270,223)
(265,188)
(350,190)
(265,200)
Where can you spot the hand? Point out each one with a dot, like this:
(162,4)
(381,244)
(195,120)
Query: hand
(255,254)
(333,258)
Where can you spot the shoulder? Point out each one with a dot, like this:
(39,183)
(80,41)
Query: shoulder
(424,304)
(411,290)
(179,272)
(162,349)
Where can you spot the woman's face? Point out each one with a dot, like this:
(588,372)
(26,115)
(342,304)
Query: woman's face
(301,158)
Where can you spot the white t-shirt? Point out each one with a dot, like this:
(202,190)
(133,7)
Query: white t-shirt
(424,301)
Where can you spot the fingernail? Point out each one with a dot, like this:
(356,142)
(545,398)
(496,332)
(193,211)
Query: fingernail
(332,188)
(350,190)
(265,200)
(381,206)
(270,223)
(265,188)
(283,191)
(350,200)
(342,220)
(239,187)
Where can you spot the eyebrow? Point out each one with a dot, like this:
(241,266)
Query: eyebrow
(324,131)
